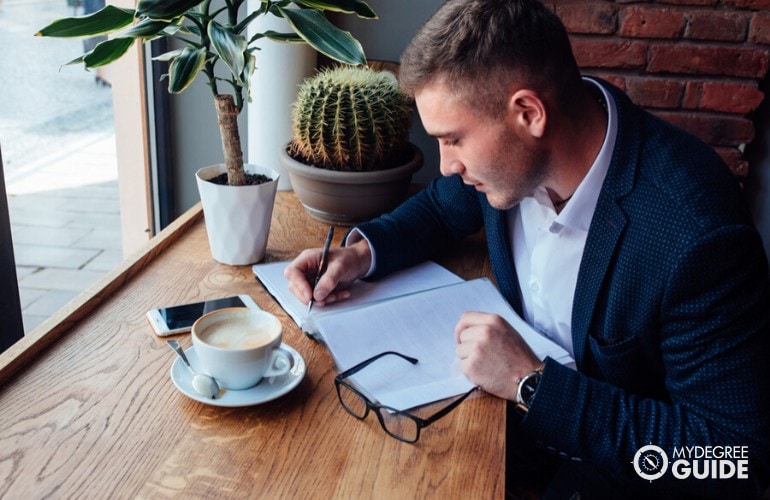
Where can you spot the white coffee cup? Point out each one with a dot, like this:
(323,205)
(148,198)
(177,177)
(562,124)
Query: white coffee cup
(238,346)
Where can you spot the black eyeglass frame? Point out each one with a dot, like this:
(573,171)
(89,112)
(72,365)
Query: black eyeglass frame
(376,407)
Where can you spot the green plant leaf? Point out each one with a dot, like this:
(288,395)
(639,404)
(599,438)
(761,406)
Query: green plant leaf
(105,52)
(189,29)
(183,70)
(361,9)
(171,30)
(229,47)
(248,70)
(165,10)
(146,28)
(165,57)
(323,36)
(283,37)
(101,22)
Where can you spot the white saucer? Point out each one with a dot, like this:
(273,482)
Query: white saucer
(261,393)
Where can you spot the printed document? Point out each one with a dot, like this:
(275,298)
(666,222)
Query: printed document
(415,322)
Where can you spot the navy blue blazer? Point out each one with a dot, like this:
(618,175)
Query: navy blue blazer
(670,317)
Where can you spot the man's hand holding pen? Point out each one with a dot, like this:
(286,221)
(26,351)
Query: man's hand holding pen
(321,266)
(343,267)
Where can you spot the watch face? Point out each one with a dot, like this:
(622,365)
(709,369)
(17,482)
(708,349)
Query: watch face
(528,388)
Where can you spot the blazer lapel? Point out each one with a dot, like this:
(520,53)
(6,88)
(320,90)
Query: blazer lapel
(608,222)
(606,228)
(500,256)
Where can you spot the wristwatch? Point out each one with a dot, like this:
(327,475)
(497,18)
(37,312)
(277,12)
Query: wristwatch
(526,389)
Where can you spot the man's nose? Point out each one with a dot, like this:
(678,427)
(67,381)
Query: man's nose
(450,165)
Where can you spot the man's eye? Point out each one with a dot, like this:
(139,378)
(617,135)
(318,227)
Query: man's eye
(451,142)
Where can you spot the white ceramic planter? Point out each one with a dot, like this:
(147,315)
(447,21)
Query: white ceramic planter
(237,217)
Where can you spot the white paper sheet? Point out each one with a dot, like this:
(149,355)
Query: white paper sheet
(420,325)
(421,277)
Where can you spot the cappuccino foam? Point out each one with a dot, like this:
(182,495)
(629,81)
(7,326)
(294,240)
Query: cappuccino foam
(238,334)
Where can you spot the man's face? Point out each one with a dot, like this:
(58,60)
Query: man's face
(484,150)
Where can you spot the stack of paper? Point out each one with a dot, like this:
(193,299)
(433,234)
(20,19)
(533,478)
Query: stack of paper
(414,313)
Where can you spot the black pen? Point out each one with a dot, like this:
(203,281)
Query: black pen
(321,265)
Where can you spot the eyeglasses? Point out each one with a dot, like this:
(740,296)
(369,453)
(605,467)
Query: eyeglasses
(399,424)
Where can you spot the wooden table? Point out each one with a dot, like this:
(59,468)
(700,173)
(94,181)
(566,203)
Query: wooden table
(88,409)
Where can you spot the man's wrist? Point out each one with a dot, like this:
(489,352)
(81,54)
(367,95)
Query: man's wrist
(357,241)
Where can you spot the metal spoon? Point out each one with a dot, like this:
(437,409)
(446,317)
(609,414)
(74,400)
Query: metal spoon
(204,384)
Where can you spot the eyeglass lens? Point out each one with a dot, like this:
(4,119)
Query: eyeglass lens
(396,424)
(353,403)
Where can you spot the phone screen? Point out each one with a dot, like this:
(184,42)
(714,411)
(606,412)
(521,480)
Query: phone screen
(184,316)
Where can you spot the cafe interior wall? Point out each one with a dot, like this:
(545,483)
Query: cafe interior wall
(699,64)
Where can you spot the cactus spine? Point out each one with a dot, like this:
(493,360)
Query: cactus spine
(351,118)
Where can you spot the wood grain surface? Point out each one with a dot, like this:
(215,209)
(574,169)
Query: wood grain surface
(94,414)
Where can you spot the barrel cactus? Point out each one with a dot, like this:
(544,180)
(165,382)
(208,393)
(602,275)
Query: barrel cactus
(351,118)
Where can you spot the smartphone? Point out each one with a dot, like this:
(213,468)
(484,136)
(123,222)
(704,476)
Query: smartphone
(179,319)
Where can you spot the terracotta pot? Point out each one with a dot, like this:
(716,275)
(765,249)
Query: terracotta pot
(237,217)
(348,198)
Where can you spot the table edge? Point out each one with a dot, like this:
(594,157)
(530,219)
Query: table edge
(18,356)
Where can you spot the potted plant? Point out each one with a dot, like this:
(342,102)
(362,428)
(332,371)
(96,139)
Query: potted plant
(350,158)
(211,33)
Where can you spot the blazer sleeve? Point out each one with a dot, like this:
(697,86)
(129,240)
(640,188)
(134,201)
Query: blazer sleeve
(442,213)
(714,341)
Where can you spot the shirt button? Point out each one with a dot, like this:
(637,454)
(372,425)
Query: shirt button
(534,286)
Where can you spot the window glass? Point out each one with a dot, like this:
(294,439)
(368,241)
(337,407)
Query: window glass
(58,144)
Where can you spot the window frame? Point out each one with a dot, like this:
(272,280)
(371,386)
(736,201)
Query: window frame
(11,323)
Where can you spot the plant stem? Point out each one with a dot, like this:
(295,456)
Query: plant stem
(227,116)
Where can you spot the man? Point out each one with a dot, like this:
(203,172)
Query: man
(615,234)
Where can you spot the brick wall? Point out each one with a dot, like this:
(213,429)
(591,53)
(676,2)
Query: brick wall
(695,63)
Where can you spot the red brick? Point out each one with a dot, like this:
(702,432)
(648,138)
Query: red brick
(727,97)
(609,52)
(730,97)
(655,93)
(689,2)
(708,60)
(734,160)
(588,17)
(749,4)
(759,30)
(716,25)
(716,130)
(650,22)
(692,92)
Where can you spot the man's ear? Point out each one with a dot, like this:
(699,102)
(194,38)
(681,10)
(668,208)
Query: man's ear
(526,113)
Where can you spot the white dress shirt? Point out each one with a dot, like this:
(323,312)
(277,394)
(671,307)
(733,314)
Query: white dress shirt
(548,247)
